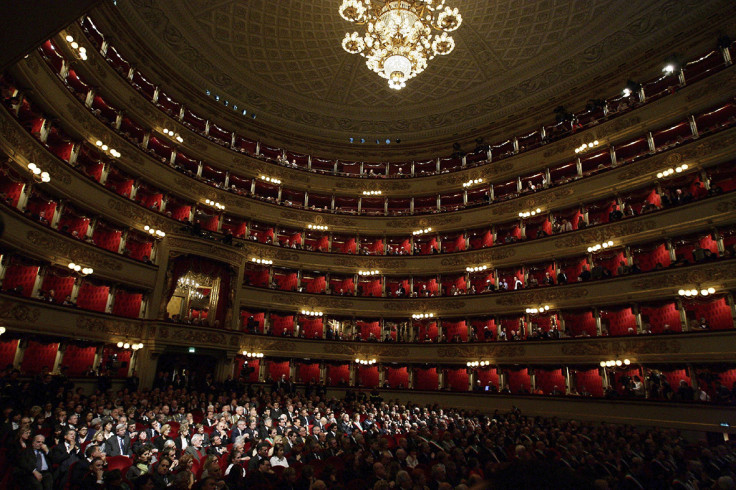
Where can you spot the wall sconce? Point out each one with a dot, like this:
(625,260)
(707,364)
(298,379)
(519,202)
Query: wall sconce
(476,269)
(80,51)
(472,182)
(312,313)
(173,135)
(372,193)
(478,364)
(85,271)
(422,316)
(317,227)
(254,355)
(615,363)
(128,345)
(695,292)
(541,309)
(368,273)
(261,261)
(38,174)
(419,232)
(527,214)
(365,362)
(272,180)
(586,146)
(214,204)
(670,171)
(154,232)
(110,151)
(600,246)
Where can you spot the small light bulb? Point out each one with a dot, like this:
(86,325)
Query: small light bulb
(120,345)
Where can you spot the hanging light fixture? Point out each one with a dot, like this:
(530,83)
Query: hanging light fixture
(401,36)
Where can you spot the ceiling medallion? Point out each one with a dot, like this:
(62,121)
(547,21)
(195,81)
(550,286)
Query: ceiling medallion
(400,35)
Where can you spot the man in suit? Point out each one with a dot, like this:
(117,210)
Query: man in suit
(195,449)
(65,453)
(240,429)
(33,467)
(118,444)
(82,467)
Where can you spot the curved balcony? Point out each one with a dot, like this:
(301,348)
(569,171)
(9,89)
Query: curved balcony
(655,89)
(658,113)
(34,317)
(564,195)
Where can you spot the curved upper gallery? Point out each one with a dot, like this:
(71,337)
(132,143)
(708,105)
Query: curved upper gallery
(660,112)
(309,94)
(83,124)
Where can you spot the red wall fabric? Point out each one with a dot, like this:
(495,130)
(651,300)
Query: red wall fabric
(579,322)
(368,376)
(674,377)
(259,318)
(338,374)
(38,356)
(457,379)
(518,379)
(426,379)
(92,297)
(313,328)
(127,304)
(124,356)
(365,328)
(254,363)
(308,372)
(715,310)
(20,275)
(590,381)
(658,317)
(7,353)
(619,321)
(479,326)
(426,328)
(78,360)
(487,376)
(450,329)
(280,323)
(397,377)
(277,369)
(547,380)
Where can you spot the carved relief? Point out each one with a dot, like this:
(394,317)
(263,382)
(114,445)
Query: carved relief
(485,350)
(22,313)
(621,347)
(541,296)
(606,232)
(130,329)
(423,305)
(193,246)
(311,301)
(677,279)
(76,252)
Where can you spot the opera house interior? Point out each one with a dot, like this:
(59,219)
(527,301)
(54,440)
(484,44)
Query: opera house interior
(497,236)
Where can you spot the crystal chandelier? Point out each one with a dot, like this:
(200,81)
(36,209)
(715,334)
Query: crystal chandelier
(188,284)
(401,35)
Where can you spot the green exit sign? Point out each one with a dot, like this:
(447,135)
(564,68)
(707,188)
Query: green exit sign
(192,350)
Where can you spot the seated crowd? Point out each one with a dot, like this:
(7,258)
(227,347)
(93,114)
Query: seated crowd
(189,434)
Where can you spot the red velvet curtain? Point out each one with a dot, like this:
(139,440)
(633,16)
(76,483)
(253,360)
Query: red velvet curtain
(78,359)
(38,356)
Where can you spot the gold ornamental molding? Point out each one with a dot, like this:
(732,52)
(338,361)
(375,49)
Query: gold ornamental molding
(208,248)
(10,310)
(607,232)
(353,350)
(311,301)
(543,296)
(76,252)
(426,305)
(628,347)
(607,130)
(133,329)
(486,350)
(676,279)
